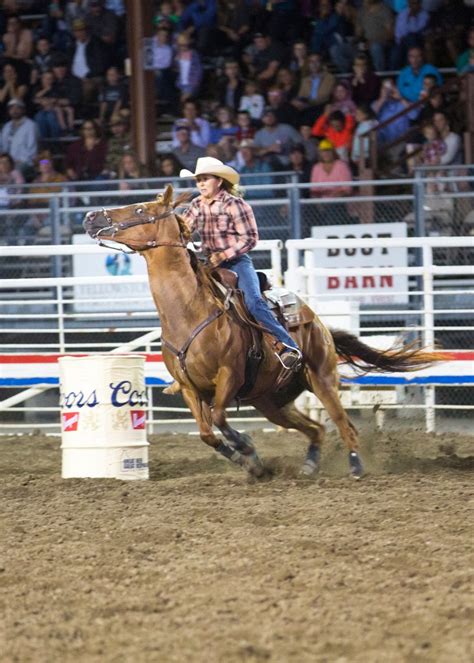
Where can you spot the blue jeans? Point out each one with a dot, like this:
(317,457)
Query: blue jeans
(48,124)
(248,283)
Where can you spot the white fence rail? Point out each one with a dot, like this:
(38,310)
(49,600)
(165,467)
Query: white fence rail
(44,307)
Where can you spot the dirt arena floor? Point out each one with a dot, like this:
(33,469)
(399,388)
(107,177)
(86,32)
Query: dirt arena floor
(199,565)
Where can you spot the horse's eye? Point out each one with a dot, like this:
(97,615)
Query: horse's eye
(139,210)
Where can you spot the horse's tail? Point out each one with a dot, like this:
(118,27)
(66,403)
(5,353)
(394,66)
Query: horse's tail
(363,357)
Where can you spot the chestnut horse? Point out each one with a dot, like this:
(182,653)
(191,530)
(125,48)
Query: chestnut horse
(205,347)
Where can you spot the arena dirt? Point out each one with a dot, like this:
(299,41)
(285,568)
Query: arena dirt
(198,564)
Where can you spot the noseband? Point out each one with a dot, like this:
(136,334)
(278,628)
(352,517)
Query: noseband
(113,228)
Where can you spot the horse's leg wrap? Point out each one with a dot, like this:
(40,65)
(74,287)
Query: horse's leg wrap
(249,461)
(311,463)
(229,452)
(357,470)
(240,441)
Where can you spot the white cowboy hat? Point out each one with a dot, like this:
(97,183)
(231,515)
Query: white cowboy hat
(211,166)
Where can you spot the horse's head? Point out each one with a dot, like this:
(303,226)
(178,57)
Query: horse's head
(140,226)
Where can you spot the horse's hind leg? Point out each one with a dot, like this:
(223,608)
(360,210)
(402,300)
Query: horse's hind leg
(289,416)
(326,387)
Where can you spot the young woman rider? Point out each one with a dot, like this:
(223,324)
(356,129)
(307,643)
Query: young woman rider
(228,230)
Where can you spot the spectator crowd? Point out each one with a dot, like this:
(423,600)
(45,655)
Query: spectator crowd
(264,86)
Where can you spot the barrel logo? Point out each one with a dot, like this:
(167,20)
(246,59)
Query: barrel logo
(138,419)
(70,421)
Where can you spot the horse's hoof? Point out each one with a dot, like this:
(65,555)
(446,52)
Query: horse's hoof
(253,465)
(357,471)
(310,468)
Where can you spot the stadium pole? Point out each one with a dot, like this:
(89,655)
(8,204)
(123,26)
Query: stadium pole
(139,19)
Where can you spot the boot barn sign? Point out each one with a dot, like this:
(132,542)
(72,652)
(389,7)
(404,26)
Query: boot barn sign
(367,289)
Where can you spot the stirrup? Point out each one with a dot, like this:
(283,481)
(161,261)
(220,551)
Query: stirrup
(293,357)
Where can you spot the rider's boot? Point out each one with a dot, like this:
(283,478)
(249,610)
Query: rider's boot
(290,358)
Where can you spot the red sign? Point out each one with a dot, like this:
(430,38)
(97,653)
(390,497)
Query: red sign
(138,419)
(70,421)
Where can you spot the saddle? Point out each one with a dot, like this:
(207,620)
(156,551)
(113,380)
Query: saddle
(287,308)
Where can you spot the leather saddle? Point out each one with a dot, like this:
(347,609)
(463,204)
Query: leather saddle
(289,309)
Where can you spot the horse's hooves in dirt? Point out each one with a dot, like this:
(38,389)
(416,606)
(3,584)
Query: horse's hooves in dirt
(253,465)
(309,469)
(357,471)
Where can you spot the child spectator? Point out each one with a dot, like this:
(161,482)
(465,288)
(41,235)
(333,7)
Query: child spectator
(169,167)
(67,90)
(433,148)
(167,14)
(365,119)
(245,128)
(42,60)
(198,126)
(113,96)
(188,64)
(226,127)
(338,129)
(252,101)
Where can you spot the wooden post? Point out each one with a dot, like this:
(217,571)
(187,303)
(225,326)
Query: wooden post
(139,19)
(469,133)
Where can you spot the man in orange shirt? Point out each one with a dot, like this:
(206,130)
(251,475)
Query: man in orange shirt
(338,129)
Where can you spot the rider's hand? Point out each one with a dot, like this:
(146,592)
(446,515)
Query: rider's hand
(215,259)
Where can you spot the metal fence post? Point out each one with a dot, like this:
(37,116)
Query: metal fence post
(295,208)
(55,220)
(419,194)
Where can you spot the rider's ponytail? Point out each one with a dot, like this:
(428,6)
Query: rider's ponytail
(233,189)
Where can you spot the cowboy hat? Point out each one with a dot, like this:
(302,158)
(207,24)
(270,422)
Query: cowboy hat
(211,166)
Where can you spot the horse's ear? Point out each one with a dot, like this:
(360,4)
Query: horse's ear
(167,196)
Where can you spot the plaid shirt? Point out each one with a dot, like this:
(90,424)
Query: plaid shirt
(225,224)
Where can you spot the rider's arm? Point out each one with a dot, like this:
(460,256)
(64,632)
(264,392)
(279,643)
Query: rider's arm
(244,227)
(190,216)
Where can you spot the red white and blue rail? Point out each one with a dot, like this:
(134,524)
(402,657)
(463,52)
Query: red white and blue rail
(28,370)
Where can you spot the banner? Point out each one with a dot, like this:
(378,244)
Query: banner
(390,289)
(110,297)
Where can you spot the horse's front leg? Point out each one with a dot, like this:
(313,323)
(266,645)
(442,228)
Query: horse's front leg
(202,413)
(227,385)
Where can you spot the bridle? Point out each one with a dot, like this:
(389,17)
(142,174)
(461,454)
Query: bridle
(113,228)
